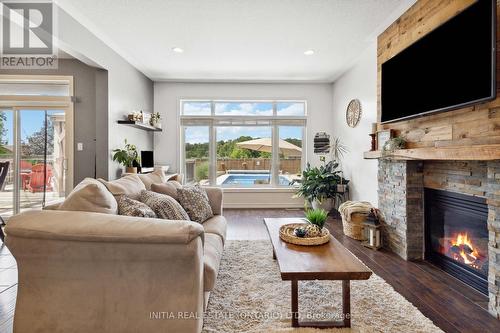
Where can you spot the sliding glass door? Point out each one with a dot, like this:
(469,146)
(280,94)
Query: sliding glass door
(33,158)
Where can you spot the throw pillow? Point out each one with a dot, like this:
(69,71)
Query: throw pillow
(169,188)
(130,207)
(194,199)
(90,195)
(129,185)
(164,206)
(155,177)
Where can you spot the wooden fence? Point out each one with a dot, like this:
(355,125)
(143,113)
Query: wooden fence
(291,166)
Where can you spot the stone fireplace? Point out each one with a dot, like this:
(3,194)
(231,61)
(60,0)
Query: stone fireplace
(447,212)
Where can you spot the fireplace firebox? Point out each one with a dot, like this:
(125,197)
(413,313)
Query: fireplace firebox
(456,236)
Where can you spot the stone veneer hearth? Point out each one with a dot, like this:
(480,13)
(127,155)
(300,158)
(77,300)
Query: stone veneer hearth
(401,187)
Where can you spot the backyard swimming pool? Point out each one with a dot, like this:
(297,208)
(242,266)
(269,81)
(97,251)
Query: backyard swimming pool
(249,179)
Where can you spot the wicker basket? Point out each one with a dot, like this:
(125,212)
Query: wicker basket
(354,228)
(287,234)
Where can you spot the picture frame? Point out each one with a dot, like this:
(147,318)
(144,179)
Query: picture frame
(384,136)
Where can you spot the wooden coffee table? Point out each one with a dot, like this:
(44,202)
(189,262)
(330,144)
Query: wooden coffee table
(330,261)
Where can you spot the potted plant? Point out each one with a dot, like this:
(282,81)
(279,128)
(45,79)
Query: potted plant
(393,144)
(319,185)
(127,156)
(316,219)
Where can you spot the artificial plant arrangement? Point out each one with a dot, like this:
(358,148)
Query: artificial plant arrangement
(127,157)
(316,219)
(393,144)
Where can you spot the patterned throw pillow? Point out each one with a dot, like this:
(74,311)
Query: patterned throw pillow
(164,206)
(130,207)
(194,199)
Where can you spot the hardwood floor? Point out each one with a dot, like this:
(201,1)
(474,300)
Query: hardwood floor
(450,304)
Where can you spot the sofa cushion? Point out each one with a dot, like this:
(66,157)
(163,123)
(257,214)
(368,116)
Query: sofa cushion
(164,206)
(90,195)
(130,185)
(212,254)
(216,225)
(169,188)
(155,177)
(130,207)
(194,199)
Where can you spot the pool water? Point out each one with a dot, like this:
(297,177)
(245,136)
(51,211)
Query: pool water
(252,179)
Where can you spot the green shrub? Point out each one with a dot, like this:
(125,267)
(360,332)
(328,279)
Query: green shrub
(201,172)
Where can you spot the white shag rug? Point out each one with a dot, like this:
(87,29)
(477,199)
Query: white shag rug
(250,296)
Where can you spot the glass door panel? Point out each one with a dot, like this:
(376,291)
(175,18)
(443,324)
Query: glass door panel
(42,157)
(33,153)
(7,160)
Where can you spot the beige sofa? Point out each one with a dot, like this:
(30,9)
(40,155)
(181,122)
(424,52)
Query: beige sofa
(94,272)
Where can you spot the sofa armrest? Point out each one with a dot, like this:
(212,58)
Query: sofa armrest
(98,227)
(215,196)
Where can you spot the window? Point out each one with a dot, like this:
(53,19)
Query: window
(243,143)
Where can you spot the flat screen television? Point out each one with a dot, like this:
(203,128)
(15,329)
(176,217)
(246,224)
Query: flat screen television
(451,67)
(147,159)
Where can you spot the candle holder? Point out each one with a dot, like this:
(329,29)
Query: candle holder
(374,141)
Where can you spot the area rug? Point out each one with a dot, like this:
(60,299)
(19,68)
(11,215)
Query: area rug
(250,296)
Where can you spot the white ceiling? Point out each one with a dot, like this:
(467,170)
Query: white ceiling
(238,40)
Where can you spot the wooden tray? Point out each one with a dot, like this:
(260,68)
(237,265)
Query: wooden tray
(287,234)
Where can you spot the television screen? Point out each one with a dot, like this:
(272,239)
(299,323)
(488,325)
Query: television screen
(449,68)
(147,160)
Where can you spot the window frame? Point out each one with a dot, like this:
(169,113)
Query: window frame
(213,121)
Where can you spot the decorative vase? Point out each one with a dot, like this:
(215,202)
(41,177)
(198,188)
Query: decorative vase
(326,204)
(131,169)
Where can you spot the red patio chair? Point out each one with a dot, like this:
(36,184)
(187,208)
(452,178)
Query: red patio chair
(38,177)
(25,168)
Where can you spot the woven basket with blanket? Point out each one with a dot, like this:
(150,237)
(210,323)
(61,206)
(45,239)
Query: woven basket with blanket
(353,214)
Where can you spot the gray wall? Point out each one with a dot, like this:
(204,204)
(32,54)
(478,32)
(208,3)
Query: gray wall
(128,90)
(90,115)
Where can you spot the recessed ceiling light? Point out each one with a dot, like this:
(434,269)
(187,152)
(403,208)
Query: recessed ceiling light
(309,52)
(177,50)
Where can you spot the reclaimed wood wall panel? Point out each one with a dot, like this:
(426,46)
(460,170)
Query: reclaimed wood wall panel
(475,125)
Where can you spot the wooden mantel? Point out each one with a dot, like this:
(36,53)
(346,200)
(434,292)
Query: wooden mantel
(471,133)
(461,153)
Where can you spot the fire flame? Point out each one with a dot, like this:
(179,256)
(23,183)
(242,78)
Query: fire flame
(463,239)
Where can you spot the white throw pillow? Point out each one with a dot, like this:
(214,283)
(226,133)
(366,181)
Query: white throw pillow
(90,195)
(130,185)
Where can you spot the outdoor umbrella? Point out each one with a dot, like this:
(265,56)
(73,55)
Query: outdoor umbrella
(265,144)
